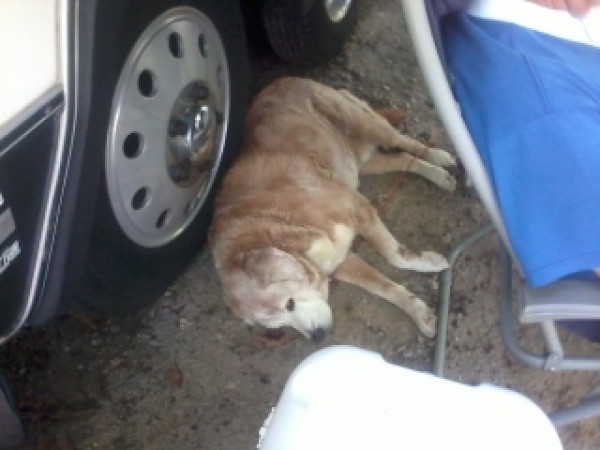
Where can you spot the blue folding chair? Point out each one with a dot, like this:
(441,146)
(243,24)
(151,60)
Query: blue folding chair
(568,299)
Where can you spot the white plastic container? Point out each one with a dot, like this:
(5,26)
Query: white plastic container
(347,398)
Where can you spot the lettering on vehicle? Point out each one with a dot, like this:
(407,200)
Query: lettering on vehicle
(9,255)
(7,225)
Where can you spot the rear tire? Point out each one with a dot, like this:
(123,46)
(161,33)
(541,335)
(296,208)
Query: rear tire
(308,32)
(11,431)
(153,211)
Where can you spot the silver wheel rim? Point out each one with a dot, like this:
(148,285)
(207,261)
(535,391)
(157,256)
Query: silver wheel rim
(167,126)
(337,9)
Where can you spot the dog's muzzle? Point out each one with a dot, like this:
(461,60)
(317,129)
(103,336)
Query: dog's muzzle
(318,334)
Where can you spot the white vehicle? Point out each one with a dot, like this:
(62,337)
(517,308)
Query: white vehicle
(105,105)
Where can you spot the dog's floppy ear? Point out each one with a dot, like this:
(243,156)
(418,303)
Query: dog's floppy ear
(269,265)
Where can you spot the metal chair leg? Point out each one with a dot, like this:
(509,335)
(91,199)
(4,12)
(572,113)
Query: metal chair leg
(587,409)
(554,360)
(445,290)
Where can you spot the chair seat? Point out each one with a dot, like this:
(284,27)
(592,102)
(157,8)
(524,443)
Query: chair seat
(567,299)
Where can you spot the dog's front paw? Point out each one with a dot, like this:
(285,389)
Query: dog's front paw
(435,261)
(425,262)
(425,320)
(441,158)
(430,262)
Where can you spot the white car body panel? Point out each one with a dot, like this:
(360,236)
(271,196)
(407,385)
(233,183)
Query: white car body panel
(34,66)
(30,57)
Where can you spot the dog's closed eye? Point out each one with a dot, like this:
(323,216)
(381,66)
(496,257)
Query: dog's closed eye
(290,305)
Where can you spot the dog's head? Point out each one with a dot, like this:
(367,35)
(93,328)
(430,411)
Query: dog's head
(275,289)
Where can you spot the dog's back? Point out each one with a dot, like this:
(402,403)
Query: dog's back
(292,159)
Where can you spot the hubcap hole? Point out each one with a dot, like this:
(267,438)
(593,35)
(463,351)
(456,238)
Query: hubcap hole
(163,219)
(202,45)
(132,145)
(140,198)
(147,83)
(175,45)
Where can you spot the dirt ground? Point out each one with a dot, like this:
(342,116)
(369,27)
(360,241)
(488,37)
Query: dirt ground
(185,374)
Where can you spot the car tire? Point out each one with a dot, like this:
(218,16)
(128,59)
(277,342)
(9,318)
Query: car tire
(12,432)
(177,63)
(308,32)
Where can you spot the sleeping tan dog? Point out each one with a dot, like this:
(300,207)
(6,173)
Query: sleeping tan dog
(289,208)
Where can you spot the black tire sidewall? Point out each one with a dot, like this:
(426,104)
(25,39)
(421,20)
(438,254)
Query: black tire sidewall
(120,275)
(305,37)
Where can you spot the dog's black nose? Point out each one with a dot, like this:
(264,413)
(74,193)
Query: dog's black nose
(317,335)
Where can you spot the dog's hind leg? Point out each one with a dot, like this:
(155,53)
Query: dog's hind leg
(391,142)
(355,271)
(394,116)
(367,131)
(376,127)
(404,162)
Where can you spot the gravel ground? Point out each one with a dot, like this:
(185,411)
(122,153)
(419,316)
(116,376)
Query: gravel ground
(185,374)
